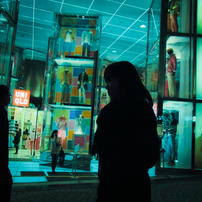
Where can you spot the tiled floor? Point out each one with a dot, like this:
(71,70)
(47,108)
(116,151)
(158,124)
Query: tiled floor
(32,164)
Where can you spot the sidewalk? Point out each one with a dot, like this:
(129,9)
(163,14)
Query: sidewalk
(83,188)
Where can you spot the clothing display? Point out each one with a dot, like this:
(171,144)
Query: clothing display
(82,85)
(61,123)
(30,141)
(170,73)
(172,15)
(68,40)
(13,127)
(86,40)
(79,127)
(171,138)
(66,80)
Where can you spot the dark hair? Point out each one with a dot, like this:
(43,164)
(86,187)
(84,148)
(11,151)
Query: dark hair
(4,90)
(53,133)
(170,52)
(131,86)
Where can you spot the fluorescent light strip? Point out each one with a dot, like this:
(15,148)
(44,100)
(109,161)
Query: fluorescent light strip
(124,32)
(38,9)
(131,46)
(61,6)
(138,56)
(24,16)
(33,29)
(125,28)
(128,5)
(69,4)
(98,11)
(113,14)
(122,36)
(154,22)
(142,63)
(90,7)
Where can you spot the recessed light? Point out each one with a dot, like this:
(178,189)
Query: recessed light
(114,51)
(142,26)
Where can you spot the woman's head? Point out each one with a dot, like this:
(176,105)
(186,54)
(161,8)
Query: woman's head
(54,133)
(123,82)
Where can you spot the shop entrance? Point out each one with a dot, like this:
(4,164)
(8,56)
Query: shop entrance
(25,128)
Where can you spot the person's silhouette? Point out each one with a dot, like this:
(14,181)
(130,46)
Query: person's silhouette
(5,175)
(126,139)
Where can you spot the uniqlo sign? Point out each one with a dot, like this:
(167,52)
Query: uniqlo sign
(21,98)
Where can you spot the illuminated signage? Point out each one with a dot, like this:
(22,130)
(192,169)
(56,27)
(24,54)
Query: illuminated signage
(21,97)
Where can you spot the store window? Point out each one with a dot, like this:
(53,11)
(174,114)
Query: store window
(26,123)
(178,71)
(178,16)
(176,138)
(198,68)
(198,137)
(199,17)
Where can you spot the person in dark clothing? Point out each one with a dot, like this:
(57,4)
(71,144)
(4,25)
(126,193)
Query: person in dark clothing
(55,149)
(126,138)
(17,140)
(62,157)
(5,175)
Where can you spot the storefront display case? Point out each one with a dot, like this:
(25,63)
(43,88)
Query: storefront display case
(77,35)
(173,75)
(27,120)
(71,80)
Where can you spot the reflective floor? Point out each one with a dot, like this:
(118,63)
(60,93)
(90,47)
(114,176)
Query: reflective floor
(23,162)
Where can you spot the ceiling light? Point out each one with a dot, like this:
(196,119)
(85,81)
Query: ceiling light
(114,51)
(2,31)
(142,26)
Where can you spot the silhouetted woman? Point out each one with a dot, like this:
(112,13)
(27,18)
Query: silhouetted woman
(126,139)
(55,149)
(17,140)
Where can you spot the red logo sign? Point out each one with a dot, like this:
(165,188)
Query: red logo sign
(21,97)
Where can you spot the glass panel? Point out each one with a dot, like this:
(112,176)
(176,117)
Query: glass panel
(29,141)
(77,36)
(178,16)
(199,17)
(177,134)
(73,124)
(9,6)
(178,73)
(73,82)
(198,68)
(149,75)
(198,137)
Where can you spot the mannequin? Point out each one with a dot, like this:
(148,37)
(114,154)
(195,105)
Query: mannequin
(66,80)
(61,123)
(68,40)
(30,140)
(172,15)
(79,127)
(82,85)
(86,40)
(171,139)
(170,71)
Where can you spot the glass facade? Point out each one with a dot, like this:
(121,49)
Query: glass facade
(173,73)
(72,87)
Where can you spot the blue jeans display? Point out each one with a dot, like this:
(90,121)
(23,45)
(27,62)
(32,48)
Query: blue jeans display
(67,46)
(65,90)
(86,46)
